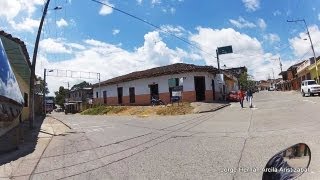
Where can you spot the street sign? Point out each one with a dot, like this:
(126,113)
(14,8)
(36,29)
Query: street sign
(225,50)
(176,93)
(177,88)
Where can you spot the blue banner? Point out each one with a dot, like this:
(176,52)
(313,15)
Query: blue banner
(9,88)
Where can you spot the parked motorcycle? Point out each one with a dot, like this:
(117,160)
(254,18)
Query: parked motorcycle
(156,101)
(288,164)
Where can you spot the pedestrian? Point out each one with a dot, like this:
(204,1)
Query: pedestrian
(241,97)
(250,96)
(247,96)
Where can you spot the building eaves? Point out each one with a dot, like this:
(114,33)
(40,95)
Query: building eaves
(176,68)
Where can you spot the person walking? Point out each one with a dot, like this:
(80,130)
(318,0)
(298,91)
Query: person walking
(241,97)
(250,96)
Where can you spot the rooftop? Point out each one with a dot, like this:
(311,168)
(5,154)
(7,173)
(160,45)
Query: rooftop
(176,68)
(17,54)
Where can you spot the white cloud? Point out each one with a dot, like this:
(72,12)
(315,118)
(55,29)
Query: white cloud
(97,56)
(251,5)
(247,50)
(272,38)
(172,10)
(105,10)
(115,31)
(139,2)
(11,8)
(76,46)
(153,2)
(27,24)
(53,46)
(302,47)
(277,13)
(176,30)
(262,24)
(242,23)
(62,23)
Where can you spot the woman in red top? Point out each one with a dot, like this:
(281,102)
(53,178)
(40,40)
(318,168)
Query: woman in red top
(241,97)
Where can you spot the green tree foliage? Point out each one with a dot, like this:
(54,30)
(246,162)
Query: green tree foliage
(40,86)
(246,81)
(61,95)
(80,85)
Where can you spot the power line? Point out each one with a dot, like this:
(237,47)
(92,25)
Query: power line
(155,26)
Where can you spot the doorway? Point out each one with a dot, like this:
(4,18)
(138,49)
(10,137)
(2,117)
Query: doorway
(120,94)
(200,88)
(105,97)
(154,91)
(213,90)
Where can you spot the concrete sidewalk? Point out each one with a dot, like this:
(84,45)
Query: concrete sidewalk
(201,107)
(22,162)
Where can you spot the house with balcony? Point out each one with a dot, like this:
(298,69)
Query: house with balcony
(312,68)
(81,97)
(290,80)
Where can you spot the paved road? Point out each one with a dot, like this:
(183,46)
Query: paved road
(198,146)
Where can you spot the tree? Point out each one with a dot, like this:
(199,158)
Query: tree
(61,95)
(246,82)
(40,87)
(80,85)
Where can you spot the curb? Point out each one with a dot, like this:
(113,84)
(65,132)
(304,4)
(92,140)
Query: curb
(216,109)
(61,122)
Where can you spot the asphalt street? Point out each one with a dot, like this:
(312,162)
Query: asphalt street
(198,146)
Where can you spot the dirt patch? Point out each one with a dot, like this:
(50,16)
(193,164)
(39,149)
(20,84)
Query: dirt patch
(141,111)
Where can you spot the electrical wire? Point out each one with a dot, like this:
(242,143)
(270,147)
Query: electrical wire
(155,26)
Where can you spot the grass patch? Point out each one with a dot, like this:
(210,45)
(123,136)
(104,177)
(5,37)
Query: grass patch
(100,110)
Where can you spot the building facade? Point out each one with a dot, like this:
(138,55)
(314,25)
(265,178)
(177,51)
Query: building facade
(197,83)
(18,58)
(81,98)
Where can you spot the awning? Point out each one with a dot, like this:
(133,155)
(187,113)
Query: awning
(17,58)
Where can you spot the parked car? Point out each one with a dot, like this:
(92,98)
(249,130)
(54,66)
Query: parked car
(310,87)
(58,110)
(233,96)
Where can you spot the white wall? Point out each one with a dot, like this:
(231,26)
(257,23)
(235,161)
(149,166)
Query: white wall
(141,85)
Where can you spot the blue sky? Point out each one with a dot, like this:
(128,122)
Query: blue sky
(86,36)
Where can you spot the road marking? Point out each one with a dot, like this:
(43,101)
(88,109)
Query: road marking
(309,101)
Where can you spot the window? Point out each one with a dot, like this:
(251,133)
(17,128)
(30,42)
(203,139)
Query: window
(97,94)
(311,82)
(25,97)
(132,95)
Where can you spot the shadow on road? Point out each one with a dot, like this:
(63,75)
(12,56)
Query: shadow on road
(27,142)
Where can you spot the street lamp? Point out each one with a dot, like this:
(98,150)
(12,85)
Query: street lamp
(34,60)
(314,54)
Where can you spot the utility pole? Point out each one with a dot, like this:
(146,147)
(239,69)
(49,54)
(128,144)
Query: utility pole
(280,64)
(33,66)
(218,61)
(44,92)
(314,54)
(100,95)
(273,73)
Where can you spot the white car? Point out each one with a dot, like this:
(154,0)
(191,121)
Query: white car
(310,87)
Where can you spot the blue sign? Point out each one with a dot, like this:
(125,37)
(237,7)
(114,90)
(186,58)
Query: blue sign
(9,88)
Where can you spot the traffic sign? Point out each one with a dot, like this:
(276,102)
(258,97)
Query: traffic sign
(225,50)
